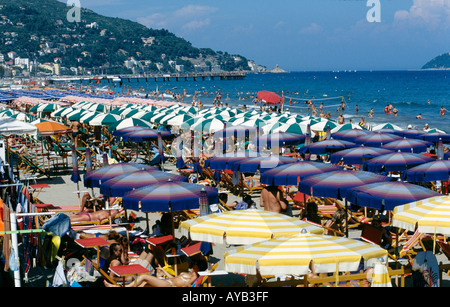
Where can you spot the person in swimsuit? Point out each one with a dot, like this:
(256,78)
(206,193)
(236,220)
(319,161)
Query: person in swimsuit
(272,199)
(443,111)
(93,216)
(185,279)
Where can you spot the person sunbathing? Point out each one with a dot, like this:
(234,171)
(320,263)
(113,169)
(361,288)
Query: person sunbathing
(96,216)
(184,279)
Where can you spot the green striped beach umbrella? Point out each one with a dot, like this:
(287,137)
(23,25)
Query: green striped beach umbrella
(104,119)
(209,125)
(88,116)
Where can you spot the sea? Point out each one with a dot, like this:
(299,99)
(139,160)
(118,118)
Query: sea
(413,92)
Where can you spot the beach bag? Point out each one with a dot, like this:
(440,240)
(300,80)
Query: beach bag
(13,262)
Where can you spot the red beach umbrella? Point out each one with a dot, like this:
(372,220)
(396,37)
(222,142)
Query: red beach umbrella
(269,97)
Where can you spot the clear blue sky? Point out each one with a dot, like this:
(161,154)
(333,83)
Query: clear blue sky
(300,34)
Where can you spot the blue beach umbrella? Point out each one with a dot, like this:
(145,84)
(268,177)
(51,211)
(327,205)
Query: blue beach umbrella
(395,162)
(293,173)
(357,155)
(387,195)
(430,171)
(335,184)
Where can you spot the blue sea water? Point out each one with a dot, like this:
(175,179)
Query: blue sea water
(408,91)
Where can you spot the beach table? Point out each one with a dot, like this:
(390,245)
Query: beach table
(39,186)
(155,241)
(129,270)
(93,243)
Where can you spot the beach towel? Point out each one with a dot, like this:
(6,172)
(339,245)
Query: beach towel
(59,279)
(59,224)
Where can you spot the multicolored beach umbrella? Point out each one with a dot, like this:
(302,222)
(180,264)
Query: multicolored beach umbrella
(410,133)
(123,131)
(395,162)
(430,171)
(167,197)
(376,139)
(224,162)
(118,186)
(349,135)
(295,254)
(436,136)
(357,155)
(244,227)
(143,135)
(387,195)
(430,215)
(293,173)
(279,139)
(335,184)
(94,178)
(263,163)
(326,146)
(408,145)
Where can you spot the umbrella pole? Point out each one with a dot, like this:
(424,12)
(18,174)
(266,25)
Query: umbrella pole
(148,225)
(434,241)
(346,219)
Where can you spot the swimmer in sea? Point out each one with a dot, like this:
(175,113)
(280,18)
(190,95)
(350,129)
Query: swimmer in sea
(443,111)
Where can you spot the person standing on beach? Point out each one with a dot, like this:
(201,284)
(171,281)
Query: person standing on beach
(75,127)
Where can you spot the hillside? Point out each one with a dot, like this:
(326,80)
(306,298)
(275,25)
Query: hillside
(39,30)
(440,62)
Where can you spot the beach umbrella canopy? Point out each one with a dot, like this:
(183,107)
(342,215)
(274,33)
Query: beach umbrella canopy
(252,122)
(408,145)
(146,134)
(292,128)
(236,131)
(387,195)
(349,135)
(168,196)
(144,115)
(293,173)
(294,254)
(357,155)
(244,227)
(177,120)
(430,215)
(279,139)
(75,115)
(268,97)
(335,184)
(410,133)
(389,126)
(324,125)
(224,162)
(88,116)
(22,117)
(430,171)
(9,126)
(376,139)
(395,162)
(326,146)
(348,126)
(263,163)
(436,136)
(118,186)
(133,122)
(52,128)
(104,119)
(95,177)
(209,125)
(122,131)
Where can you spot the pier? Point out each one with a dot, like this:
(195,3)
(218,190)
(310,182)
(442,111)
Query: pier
(102,79)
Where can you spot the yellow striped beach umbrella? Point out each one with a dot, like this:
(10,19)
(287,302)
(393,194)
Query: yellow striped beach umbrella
(432,215)
(242,227)
(293,255)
